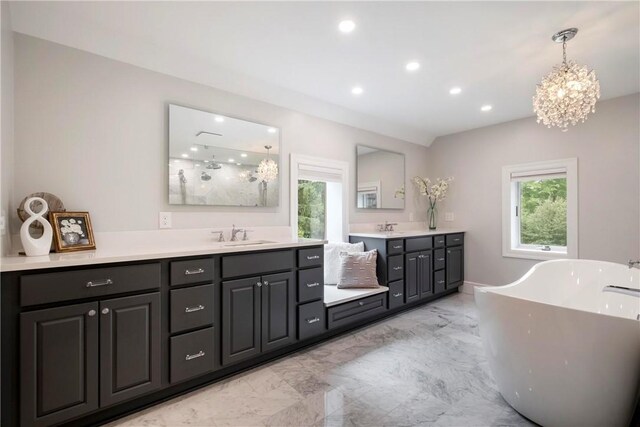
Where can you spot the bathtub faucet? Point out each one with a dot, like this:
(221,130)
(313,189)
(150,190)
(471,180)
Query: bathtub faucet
(633,263)
(622,290)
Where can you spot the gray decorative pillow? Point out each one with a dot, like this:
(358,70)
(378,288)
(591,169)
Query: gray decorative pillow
(358,270)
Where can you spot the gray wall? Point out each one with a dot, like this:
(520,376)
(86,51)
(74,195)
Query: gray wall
(607,148)
(94,132)
(6,120)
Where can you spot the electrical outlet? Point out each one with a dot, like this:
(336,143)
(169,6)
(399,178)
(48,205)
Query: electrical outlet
(449,216)
(410,216)
(164,220)
(3,223)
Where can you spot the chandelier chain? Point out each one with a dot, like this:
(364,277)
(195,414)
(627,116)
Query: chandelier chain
(564,51)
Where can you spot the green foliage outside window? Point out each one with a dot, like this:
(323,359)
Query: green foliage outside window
(543,212)
(312,202)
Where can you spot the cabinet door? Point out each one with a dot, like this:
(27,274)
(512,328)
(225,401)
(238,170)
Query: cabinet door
(240,319)
(129,347)
(278,310)
(425,262)
(59,364)
(455,266)
(412,290)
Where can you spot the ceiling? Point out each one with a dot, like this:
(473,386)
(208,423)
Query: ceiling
(291,53)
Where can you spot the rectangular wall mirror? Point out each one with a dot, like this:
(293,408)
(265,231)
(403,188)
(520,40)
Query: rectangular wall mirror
(221,161)
(380,178)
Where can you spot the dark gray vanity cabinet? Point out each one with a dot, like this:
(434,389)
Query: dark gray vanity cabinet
(59,363)
(129,347)
(455,266)
(72,354)
(412,277)
(258,315)
(425,270)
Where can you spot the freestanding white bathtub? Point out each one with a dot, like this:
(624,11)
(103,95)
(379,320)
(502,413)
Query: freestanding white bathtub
(564,353)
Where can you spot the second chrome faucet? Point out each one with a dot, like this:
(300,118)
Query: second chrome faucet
(234,234)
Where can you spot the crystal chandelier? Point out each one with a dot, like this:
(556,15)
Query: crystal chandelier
(267,169)
(568,93)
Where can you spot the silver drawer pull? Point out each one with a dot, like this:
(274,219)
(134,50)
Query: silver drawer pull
(397,268)
(397,247)
(440,259)
(99,283)
(440,281)
(313,285)
(313,320)
(191,272)
(397,295)
(456,240)
(313,257)
(194,356)
(192,309)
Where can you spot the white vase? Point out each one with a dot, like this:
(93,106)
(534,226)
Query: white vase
(41,245)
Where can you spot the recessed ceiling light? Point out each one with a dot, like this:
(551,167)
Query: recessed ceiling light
(271,130)
(347,26)
(231,160)
(486,108)
(206,161)
(357,90)
(175,160)
(185,155)
(412,66)
(243,155)
(455,90)
(238,164)
(219,119)
(197,165)
(194,148)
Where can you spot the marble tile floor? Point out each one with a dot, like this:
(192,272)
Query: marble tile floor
(422,367)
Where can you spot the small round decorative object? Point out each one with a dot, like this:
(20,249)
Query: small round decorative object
(36,246)
(71,238)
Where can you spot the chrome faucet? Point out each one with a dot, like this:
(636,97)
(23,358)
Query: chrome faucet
(622,290)
(633,263)
(234,233)
(220,235)
(388,226)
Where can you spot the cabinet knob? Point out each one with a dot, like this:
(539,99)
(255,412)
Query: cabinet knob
(265,283)
(91,313)
(259,284)
(105,311)
(361,303)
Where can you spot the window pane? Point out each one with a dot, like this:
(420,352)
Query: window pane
(543,212)
(312,209)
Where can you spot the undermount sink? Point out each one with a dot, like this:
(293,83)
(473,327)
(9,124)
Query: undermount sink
(249,243)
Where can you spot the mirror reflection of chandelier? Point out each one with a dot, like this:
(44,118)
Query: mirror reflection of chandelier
(267,169)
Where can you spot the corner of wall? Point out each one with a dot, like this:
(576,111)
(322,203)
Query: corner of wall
(6,123)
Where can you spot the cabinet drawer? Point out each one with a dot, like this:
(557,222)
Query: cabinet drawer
(455,239)
(310,257)
(344,314)
(191,271)
(310,284)
(191,354)
(396,294)
(252,264)
(439,241)
(395,267)
(310,320)
(438,259)
(438,282)
(395,247)
(418,243)
(191,308)
(87,283)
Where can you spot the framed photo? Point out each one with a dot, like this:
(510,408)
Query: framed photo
(72,231)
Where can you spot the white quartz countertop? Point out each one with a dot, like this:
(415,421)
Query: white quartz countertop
(334,296)
(403,234)
(140,252)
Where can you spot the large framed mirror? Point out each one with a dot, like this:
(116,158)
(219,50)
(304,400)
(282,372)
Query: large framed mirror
(380,178)
(222,161)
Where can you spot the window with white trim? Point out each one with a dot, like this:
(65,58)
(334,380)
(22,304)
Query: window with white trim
(540,210)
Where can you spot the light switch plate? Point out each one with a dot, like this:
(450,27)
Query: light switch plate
(3,223)
(410,216)
(164,220)
(449,216)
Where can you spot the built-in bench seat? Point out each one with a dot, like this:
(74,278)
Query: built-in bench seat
(334,296)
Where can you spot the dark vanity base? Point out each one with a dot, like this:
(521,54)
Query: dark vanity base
(150,400)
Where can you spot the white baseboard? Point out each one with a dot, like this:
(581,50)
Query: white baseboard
(467,287)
